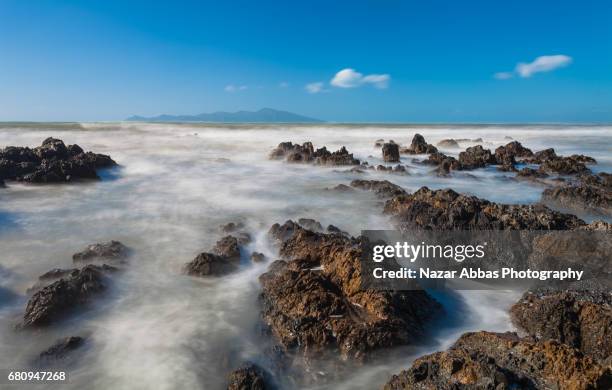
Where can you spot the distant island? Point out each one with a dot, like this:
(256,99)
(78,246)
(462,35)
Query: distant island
(265,115)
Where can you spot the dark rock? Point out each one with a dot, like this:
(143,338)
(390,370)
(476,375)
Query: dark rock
(578,317)
(448,143)
(390,152)
(530,173)
(382,188)
(592,193)
(419,146)
(445,164)
(476,157)
(543,155)
(54,301)
(485,360)
(113,251)
(228,247)
(513,149)
(257,257)
(447,210)
(52,162)
(583,159)
(563,166)
(314,304)
(248,377)
(61,350)
(342,188)
(209,264)
(305,153)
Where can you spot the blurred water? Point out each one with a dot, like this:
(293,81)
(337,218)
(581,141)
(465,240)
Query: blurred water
(162,330)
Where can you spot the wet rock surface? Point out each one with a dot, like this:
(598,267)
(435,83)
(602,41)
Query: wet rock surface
(313,303)
(579,316)
(306,153)
(419,146)
(390,152)
(591,193)
(52,162)
(111,251)
(448,210)
(485,360)
(52,302)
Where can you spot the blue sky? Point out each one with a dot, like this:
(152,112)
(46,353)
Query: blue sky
(414,61)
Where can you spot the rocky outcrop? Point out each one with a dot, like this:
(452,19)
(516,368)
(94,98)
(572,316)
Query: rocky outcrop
(382,188)
(249,377)
(111,251)
(61,350)
(550,162)
(513,149)
(306,153)
(580,317)
(228,247)
(448,210)
(390,152)
(257,257)
(448,143)
(210,264)
(419,146)
(484,360)
(530,173)
(476,157)
(591,193)
(51,303)
(444,164)
(314,304)
(52,162)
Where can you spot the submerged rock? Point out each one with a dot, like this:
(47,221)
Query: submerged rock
(61,350)
(485,360)
(448,143)
(257,257)
(314,304)
(580,317)
(419,146)
(310,224)
(379,143)
(52,302)
(113,251)
(390,152)
(591,193)
(306,153)
(231,227)
(52,162)
(448,210)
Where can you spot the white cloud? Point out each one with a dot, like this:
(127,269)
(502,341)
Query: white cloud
(234,88)
(283,84)
(503,75)
(315,87)
(543,64)
(350,78)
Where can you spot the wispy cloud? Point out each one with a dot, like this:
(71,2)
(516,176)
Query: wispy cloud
(543,64)
(350,78)
(315,87)
(539,65)
(503,75)
(283,84)
(235,88)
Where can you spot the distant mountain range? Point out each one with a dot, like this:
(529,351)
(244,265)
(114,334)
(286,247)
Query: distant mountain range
(265,115)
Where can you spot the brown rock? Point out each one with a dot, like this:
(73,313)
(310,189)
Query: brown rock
(382,188)
(390,152)
(305,153)
(209,264)
(113,251)
(419,146)
(448,143)
(484,360)
(476,157)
